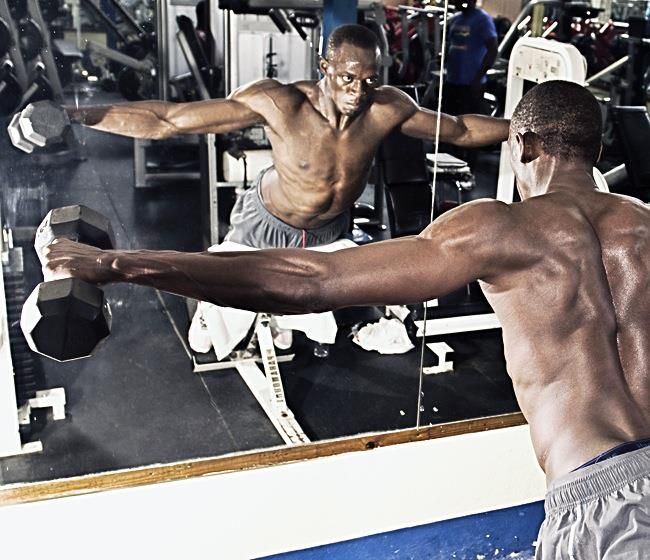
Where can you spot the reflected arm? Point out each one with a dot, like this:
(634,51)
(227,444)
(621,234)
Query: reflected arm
(161,119)
(465,130)
(450,253)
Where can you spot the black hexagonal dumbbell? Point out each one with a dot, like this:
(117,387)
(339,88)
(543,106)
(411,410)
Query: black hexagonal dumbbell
(41,124)
(65,319)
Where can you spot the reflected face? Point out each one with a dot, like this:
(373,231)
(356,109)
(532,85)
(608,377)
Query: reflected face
(351,75)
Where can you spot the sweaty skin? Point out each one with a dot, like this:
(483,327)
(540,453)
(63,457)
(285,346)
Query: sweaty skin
(566,271)
(324,134)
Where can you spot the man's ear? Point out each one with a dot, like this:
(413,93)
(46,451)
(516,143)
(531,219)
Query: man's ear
(323,65)
(529,146)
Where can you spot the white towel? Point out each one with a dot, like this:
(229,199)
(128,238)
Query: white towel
(227,326)
(386,336)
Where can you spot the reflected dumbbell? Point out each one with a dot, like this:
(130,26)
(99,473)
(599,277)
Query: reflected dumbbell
(39,124)
(65,319)
(30,38)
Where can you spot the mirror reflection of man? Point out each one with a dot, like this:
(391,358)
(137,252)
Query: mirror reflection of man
(324,135)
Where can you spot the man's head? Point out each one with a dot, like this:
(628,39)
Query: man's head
(350,67)
(467,6)
(557,119)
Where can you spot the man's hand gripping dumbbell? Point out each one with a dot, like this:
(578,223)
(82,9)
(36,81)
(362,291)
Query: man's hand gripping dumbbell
(65,318)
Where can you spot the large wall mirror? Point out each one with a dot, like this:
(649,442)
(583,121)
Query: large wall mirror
(162,389)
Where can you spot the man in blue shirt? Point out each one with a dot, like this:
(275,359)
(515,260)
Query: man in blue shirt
(471,53)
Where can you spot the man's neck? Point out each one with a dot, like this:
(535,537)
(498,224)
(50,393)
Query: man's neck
(556,175)
(326,107)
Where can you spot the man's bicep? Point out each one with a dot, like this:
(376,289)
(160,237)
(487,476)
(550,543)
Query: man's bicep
(398,272)
(424,124)
(217,116)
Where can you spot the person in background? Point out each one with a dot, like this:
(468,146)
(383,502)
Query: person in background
(471,52)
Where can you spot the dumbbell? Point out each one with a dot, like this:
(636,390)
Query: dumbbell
(30,38)
(65,319)
(43,123)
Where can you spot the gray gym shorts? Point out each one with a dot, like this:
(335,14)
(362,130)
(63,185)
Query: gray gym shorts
(253,225)
(599,512)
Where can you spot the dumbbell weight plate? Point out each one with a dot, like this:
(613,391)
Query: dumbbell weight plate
(65,319)
(30,38)
(76,222)
(17,137)
(43,123)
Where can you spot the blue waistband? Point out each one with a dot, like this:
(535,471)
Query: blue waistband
(620,449)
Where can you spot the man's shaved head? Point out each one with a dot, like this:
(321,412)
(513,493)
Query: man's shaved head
(351,34)
(565,116)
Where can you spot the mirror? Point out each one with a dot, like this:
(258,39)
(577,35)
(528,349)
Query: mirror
(146,396)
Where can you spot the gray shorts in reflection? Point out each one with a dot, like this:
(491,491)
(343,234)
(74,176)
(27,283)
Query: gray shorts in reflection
(253,225)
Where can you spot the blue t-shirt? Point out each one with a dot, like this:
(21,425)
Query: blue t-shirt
(467,36)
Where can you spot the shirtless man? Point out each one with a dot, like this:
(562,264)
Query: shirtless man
(324,136)
(566,271)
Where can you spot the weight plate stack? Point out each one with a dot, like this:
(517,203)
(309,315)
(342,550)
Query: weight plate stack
(28,375)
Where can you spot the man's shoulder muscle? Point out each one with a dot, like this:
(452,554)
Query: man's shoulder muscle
(256,94)
(484,222)
(392,102)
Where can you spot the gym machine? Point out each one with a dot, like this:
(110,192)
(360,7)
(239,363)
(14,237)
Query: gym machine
(28,70)
(19,382)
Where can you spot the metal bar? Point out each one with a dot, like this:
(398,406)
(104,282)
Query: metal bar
(609,69)
(112,54)
(139,162)
(46,52)
(14,52)
(213,186)
(162,40)
(466,323)
(191,62)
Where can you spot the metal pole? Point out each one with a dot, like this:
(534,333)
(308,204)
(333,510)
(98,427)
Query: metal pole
(227,53)
(162,48)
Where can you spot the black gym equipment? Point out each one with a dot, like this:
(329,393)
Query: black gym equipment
(65,319)
(207,77)
(39,88)
(10,91)
(632,125)
(406,184)
(30,38)
(6,40)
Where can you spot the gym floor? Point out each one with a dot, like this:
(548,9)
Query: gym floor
(137,402)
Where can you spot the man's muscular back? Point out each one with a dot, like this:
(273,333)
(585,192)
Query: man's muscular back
(320,169)
(575,311)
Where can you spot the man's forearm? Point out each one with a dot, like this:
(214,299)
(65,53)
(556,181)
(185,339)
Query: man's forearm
(275,281)
(140,119)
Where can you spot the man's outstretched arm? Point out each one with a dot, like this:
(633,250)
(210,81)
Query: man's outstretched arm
(465,130)
(160,119)
(450,253)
